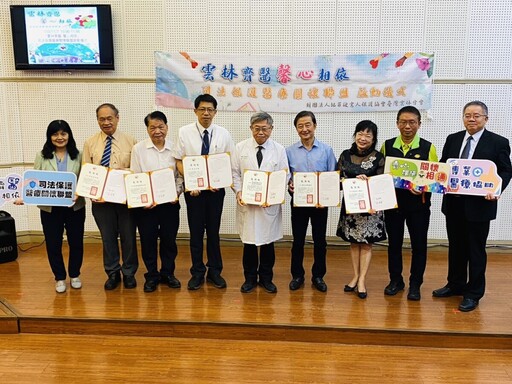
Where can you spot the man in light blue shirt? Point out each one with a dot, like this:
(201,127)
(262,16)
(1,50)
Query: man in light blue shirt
(308,155)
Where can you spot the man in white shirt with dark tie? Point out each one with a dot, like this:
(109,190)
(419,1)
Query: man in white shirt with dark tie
(259,227)
(204,208)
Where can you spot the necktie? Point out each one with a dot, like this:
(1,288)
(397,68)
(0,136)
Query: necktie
(105,159)
(465,151)
(259,155)
(205,149)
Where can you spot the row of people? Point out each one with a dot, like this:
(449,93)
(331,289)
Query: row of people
(260,227)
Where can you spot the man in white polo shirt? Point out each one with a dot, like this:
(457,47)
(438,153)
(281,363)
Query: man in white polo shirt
(157,221)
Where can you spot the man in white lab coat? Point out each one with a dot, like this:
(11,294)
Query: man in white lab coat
(258,226)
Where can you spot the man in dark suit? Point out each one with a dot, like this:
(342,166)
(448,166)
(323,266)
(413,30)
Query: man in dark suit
(468,217)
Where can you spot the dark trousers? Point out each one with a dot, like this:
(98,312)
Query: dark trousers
(161,221)
(204,212)
(266,262)
(115,220)
(466,252)
(54,224)
(417,223)
(300,219)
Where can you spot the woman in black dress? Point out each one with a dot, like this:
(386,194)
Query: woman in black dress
(361,229)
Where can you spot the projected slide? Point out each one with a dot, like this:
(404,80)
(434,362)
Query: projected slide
(62,35)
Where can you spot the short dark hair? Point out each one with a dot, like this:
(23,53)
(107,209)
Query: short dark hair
(48,147)
(206,98)
(369,125)
(304,114)
(478,103)
(155,115)
(111,106)
(409,109)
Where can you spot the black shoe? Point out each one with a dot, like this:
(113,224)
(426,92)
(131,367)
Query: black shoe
(129,282)
(414,294)
(348,288)
(446,291)
(150,286)
(362,295)
(394,287)
(113,281)
(268,286)
(195,282)
(247,286)
(319,284)
(217,281)
(467,304)
(296,283)
(171,281)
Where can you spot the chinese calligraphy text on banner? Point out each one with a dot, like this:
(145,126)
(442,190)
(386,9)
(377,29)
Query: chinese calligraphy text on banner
(10,188)
(474,177)
(331,83)
(421,175)
(49,188)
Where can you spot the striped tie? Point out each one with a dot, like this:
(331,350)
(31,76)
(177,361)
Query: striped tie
(105,159)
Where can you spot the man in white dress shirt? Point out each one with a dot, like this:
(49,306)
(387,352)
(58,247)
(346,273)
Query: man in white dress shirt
(204,208)
(258,226)
(157,221)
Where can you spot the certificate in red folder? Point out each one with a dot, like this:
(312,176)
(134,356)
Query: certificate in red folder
(316,189)
(150,188)
(264,188)
(375,194)
(207,172)
(102,183)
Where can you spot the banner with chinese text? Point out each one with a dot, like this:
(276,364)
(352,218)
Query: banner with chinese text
(327,83)
(474,177)
(420,175)
(49,188)
(10,188)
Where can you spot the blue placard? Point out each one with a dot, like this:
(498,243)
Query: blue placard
(49,188)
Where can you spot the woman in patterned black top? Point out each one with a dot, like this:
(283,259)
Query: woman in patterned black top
(361,229)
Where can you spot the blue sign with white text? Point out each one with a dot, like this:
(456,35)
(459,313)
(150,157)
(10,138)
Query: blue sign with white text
(49,188)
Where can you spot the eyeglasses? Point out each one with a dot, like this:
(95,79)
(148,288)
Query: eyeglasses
(203,110)
(261,129)
(475,116)
(104,119)
(403,123)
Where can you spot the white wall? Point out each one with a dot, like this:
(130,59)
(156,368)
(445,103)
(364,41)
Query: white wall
(471,39)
